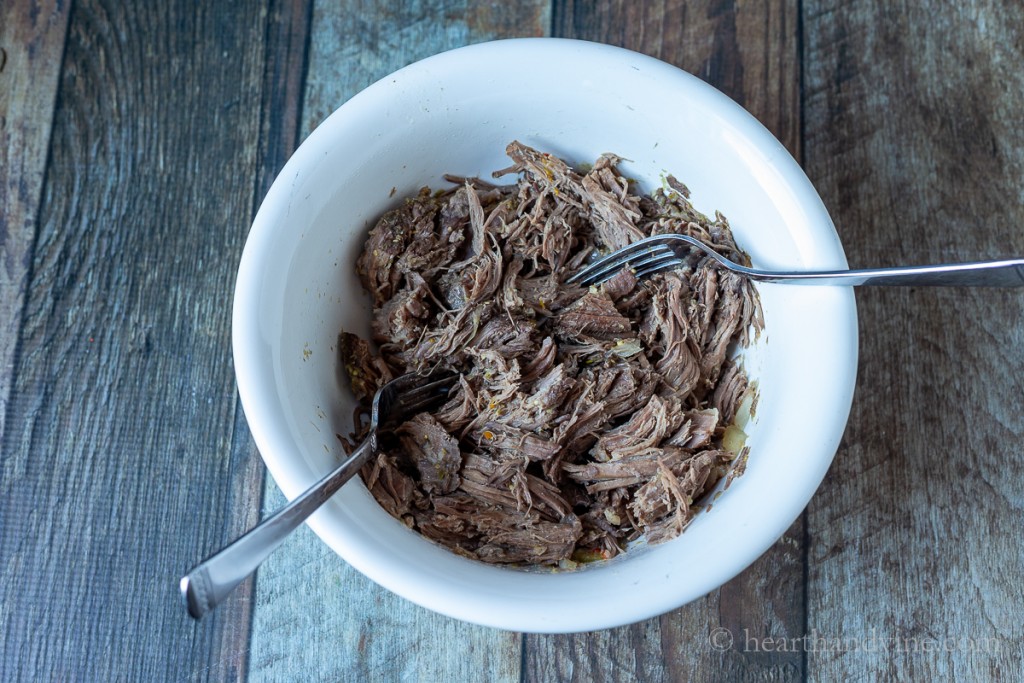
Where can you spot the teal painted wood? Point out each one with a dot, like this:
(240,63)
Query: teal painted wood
(316,618)
(913,138)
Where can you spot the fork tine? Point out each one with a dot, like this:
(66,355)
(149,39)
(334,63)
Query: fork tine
(407,410)
(612,262)
(638,266)
(602,269)
(430,389)
(648,259)
(659,266)
(606,268)
(417,399)
(603,275)
(412,381)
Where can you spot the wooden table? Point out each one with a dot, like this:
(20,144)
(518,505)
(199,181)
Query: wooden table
(136,141)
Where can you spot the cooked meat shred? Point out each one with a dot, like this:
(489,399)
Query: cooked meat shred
(433,451)
(584,418)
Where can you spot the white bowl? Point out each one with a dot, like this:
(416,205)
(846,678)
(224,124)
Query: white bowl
(455,113)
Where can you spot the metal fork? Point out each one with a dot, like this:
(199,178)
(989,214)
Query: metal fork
(666,252)
(212,580)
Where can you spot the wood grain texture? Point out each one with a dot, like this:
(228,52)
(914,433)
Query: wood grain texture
(357,42)
(287,41)
(31,43)
(124,457)
(317,618)
(287,56)
(117,458)
(913,139)
(750,51)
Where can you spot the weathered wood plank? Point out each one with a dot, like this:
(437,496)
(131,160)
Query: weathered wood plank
(117,455)
(913,139)
(287,52)
(318,619)
(356,43)
(305,588)
(287,40)
(749,51)
(31,43)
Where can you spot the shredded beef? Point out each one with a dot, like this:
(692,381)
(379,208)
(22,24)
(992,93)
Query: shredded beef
(584,418)
(434,452)
(366,373)
(592,315)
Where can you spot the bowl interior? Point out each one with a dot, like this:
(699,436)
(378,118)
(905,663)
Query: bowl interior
(455,113)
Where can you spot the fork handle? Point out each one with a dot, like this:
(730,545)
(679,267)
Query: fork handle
(980,274)
(212,580)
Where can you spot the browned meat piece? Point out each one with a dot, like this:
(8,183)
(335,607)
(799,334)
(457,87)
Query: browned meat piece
(507,338)
(625,387)
(665,327)
(551,390)
(541,361)
(621,284)
(507,441)
(698,429)
(614,214)
(496,532)
(546,295)
(394,490)
(593,315)
(729,392)
(751,317)
(584,418)
(536,411)
(427,248)
(448,340)
(557,237)
(499,377)
(538,543)
(401,320)
(549,172)
(705,288)
(366,372)
(642,432)
(402,241)
(627,471)
(598,192)
(662,505)
(506,482)
(723,328)
(578,432)
(433,451)
(480,278)
(461,408)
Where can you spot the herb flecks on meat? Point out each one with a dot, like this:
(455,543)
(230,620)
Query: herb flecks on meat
(584,418)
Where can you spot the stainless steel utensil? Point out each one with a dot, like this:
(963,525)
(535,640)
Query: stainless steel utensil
(666,252)
(212,580)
